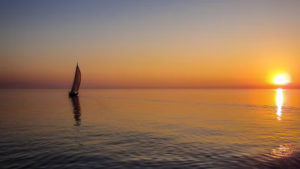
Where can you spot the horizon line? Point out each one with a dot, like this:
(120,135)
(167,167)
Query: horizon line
(124,88)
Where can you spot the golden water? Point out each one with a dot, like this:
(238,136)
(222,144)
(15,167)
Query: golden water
(150,128)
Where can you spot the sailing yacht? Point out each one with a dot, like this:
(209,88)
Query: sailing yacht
(76,82)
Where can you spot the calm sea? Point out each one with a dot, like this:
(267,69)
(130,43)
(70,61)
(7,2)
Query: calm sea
(150,129)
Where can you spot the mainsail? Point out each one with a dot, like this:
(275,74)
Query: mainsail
(77,80)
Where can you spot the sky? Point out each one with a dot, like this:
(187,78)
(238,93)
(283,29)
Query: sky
(149,43)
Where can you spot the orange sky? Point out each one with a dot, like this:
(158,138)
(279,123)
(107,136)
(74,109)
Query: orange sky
(171,44)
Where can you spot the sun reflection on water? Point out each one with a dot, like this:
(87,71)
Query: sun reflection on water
(282,151)
(279,102)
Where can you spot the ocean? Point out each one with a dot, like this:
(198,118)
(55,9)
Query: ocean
(150,128)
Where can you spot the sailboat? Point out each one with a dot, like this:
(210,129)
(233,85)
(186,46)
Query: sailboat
(76,82)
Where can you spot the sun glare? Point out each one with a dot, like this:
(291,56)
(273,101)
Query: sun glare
(282,79)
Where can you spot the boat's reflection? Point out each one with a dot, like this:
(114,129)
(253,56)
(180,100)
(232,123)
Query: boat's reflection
(279,102)
(76,110)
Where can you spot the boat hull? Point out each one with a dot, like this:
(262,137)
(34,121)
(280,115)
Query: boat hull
(72,94)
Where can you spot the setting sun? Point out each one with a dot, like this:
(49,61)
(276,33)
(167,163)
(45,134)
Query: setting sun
(282,79)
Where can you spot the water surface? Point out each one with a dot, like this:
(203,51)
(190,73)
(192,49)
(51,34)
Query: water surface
(150,129)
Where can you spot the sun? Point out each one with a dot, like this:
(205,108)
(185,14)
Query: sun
(282,79)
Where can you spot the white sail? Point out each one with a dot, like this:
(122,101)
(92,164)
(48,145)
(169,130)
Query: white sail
(77,80)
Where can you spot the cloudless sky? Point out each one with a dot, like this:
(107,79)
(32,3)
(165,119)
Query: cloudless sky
(148,43)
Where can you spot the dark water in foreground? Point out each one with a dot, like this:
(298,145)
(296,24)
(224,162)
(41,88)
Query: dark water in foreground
(150,129)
